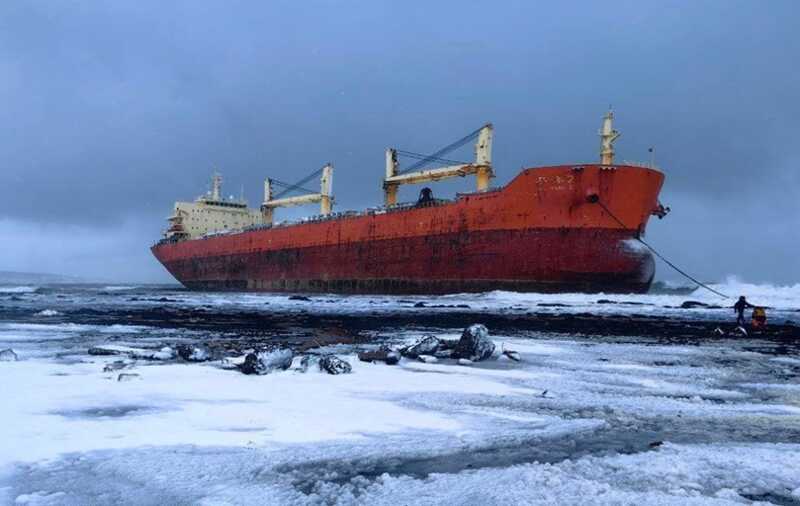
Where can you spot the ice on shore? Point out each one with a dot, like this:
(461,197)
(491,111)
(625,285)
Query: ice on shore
(571,421)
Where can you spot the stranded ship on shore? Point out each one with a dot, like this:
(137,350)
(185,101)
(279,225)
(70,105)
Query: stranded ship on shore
(557,228)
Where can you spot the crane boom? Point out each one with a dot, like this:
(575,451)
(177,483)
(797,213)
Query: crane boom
(482,168)
(324,197)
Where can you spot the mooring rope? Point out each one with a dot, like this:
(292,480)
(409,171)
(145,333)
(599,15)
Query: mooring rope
(659,255)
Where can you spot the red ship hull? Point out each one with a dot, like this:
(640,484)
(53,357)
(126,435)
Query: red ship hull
(541,232)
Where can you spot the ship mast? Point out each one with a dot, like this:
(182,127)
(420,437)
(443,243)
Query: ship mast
(607,137)
(216,187)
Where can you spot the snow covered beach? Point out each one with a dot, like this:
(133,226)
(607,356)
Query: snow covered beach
(579,419)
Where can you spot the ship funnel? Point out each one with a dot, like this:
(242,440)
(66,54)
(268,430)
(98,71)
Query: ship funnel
(607,137)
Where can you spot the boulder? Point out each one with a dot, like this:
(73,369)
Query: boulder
(689,304)
(382,354)
(306,362)
(115,366)
(739,332)
(192,353)
(165,353)
(448,344)
(475,344)
(334,365)
(8,355)
(299,297)
(99,350)
(428,345)
(267,361)
(465,361)
(127,376)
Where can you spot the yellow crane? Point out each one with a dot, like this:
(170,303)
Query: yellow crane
(324,197)
(481,168)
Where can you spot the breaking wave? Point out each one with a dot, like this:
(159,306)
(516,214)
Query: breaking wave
(762,294)
(48,312)
(18,289)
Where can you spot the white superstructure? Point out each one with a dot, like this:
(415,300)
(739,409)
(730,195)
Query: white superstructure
(210,213)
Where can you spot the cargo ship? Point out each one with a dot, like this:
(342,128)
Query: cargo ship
(550,229)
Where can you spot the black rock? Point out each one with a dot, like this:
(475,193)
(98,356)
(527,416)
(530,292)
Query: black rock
(475,344)
(448,344)
(382,354)
(428,345)
(267,361)
(299,297)
(115,366)
(103,351)
(8,355)
(334,365)
(606,301)
(419,304)
(513,355)
(689,304)
(551,304)
(192,353)
(306,361)
(127,376)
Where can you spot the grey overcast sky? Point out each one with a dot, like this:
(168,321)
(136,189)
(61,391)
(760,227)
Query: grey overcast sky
(110,111)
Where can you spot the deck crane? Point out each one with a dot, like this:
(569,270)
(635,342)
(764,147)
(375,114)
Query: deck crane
(481,168)
(324,197)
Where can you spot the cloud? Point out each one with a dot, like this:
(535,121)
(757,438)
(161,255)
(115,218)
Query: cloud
(111,111)
(95,253)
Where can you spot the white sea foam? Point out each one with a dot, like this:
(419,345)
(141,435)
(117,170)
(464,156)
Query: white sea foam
(18,289)
(48,312)
(778,296)
(22,332)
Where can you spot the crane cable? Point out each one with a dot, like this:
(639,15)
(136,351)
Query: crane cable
(298,186)
(659,255)
(450,147)
(427,158)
